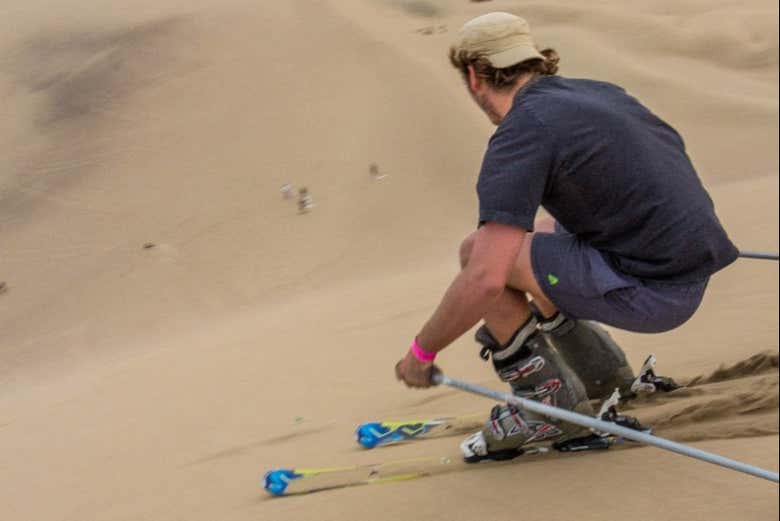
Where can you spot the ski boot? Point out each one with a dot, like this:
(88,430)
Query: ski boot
(592,353)
(534,371)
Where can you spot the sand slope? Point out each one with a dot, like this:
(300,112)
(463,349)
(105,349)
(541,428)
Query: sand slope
(160,383)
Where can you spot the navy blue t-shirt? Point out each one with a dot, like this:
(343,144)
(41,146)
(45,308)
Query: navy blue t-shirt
(609,171)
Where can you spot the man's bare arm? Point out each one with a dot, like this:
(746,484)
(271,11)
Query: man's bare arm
(476,287)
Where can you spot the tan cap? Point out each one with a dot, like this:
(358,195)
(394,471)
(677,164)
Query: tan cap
(503,38)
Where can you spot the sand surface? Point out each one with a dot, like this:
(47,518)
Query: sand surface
(160,382)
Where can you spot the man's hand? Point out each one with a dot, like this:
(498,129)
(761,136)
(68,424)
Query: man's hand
(415,373)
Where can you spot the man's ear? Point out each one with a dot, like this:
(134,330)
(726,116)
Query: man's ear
(475,83)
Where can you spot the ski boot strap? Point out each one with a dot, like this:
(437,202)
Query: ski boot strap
(556,325)
(491,347)
(649,382)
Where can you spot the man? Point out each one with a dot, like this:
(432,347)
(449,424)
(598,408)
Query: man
(633,244)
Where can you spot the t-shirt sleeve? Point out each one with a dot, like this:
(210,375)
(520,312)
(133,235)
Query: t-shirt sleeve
(514,173)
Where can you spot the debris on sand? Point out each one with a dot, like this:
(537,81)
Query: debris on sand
(3,287)
(432,29)
(373,170)
(287,191)
(305,202)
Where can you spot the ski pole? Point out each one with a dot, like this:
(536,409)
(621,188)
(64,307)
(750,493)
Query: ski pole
(758,255)
(602,426)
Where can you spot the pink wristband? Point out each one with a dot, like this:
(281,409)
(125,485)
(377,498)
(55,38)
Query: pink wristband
(421,354)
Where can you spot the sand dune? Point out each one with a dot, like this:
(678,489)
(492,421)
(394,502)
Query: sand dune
(170,327)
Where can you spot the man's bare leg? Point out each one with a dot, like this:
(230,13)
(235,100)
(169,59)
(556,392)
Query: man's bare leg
(522,358)
(585,346)
(511,309)
(509,313)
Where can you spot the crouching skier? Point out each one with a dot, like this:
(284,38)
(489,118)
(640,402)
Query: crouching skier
(633,241)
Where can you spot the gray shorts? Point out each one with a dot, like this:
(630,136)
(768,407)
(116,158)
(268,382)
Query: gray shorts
(582,284)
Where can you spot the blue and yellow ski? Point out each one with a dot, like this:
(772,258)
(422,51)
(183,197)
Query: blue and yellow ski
(372,434)
(285,482)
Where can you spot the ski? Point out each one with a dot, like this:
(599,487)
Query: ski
(286,482)
(293,481)
(375,433)
(299,481)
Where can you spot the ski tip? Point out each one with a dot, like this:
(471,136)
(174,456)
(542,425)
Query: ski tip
(370,434)
(275,481)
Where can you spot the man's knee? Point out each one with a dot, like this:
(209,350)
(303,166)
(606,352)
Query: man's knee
(521,275)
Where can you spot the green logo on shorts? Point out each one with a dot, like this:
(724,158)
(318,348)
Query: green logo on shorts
(552,279)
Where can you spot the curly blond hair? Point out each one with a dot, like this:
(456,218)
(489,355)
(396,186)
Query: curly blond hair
(506,78)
